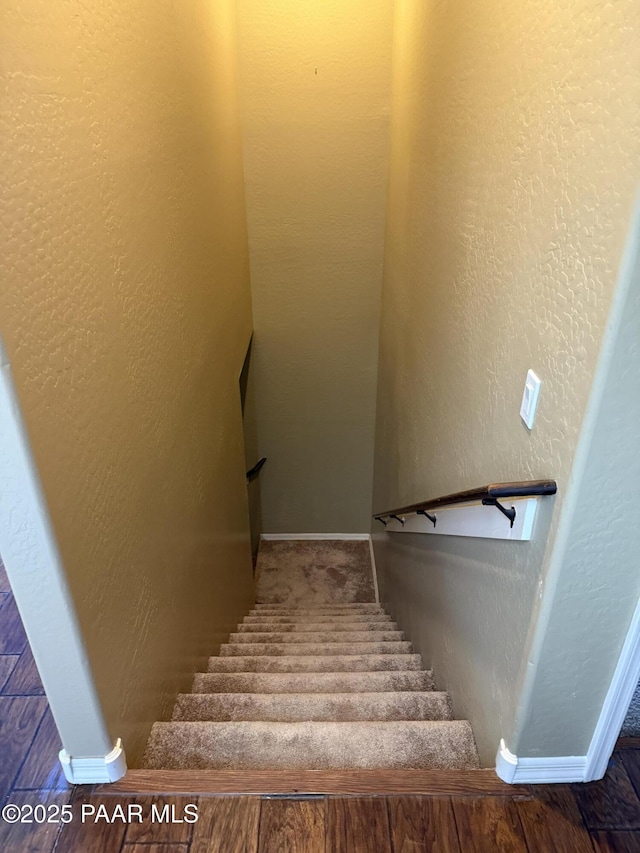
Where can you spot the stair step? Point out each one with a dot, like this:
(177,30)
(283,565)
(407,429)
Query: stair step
(318,618)
(372,648)
(311,745)
(298,707)
(283,610)
(315,627)
(317,682)
(350,607)
(318,637)
(312,663)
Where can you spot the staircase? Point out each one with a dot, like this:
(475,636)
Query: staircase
(329,686)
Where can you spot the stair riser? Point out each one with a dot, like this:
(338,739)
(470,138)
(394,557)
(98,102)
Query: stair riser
(315,746)
(311,663)
(293,708)
(315,627)
(319,682)
(316,637)
(252,649)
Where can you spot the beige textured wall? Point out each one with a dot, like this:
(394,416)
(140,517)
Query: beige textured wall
(514,159)
(315,90)
(125,311)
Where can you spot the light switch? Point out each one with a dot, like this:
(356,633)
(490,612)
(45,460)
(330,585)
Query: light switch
(530,398)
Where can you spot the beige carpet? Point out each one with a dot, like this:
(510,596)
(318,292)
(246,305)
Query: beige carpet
(317,676)
(315,572)
(313,745)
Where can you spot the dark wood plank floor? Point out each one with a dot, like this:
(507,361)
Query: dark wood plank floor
(290,825)
(601,817)
(423,823)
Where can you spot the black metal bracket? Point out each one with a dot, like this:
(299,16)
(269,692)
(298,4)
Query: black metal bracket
(381,520)
(510,513)
(252,473)
(397,518)
(432,518)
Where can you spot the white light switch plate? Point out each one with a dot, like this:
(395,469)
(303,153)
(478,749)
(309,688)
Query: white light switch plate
(530,399)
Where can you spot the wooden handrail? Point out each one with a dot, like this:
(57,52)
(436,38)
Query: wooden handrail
(492,492)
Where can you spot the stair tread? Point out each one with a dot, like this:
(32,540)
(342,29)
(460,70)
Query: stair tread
(312,648)
(314,627)
(317,682)
(315,663)
(432,744)
(319,611)
(352,605)
(331,610)
(316,637)
(300,707)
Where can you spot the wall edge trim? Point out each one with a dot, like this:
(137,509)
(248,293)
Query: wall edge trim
(616,702)
(72,697)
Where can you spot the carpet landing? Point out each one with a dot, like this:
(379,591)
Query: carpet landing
(313,573)
(317,676)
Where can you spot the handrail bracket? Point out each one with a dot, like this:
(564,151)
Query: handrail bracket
(510,513)
(432,518)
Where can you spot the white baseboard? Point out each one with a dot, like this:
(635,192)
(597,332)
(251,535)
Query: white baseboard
(274,537)
(92,770)
(539,771)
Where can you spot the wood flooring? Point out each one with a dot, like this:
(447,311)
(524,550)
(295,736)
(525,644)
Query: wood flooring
(332,782)
(565,819)
(449,816)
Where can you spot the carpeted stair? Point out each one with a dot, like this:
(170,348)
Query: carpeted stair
(333,686)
